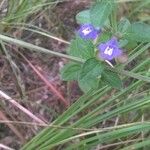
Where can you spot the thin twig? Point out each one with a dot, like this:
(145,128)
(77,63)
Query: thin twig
(12,101)
(119,143)
(2,3)
(74,128)
(49,85)
(5,147)
(38,31)
(12,127)
(38,49)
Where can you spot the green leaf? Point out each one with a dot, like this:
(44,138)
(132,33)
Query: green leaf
(103,38)
(100,12)
(123,42)
(127,44)
(90,75)
(123,25)
(139,32)
(112,79)
(131,45)
(83,17)
(70,71)
(82,48)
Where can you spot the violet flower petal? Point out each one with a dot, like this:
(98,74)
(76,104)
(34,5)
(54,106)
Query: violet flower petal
(110,49)
(87,31)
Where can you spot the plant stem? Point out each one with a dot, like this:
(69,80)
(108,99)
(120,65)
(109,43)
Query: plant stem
(133,75)
(37,48)
(79,60)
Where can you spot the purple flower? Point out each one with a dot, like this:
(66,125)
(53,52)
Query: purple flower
(87,31)
(110,49)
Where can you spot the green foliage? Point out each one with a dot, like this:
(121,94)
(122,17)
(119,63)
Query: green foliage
(97,15)
(82,48)
(144,144)
(82,125)
(103,38)
(112,79)
(70,71)
(61,131)
(90,74)
(19,11)
(123,25)
(100,12)
(83,17)
(52,137)
(139,32)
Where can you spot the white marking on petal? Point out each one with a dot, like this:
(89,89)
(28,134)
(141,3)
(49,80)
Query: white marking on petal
(108,51)
(86,31)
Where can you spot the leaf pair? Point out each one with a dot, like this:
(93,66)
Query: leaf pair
(90,75)
(97,15)
(135,32)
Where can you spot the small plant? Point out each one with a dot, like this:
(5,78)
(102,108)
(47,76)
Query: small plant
(99,41)
(102,118)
